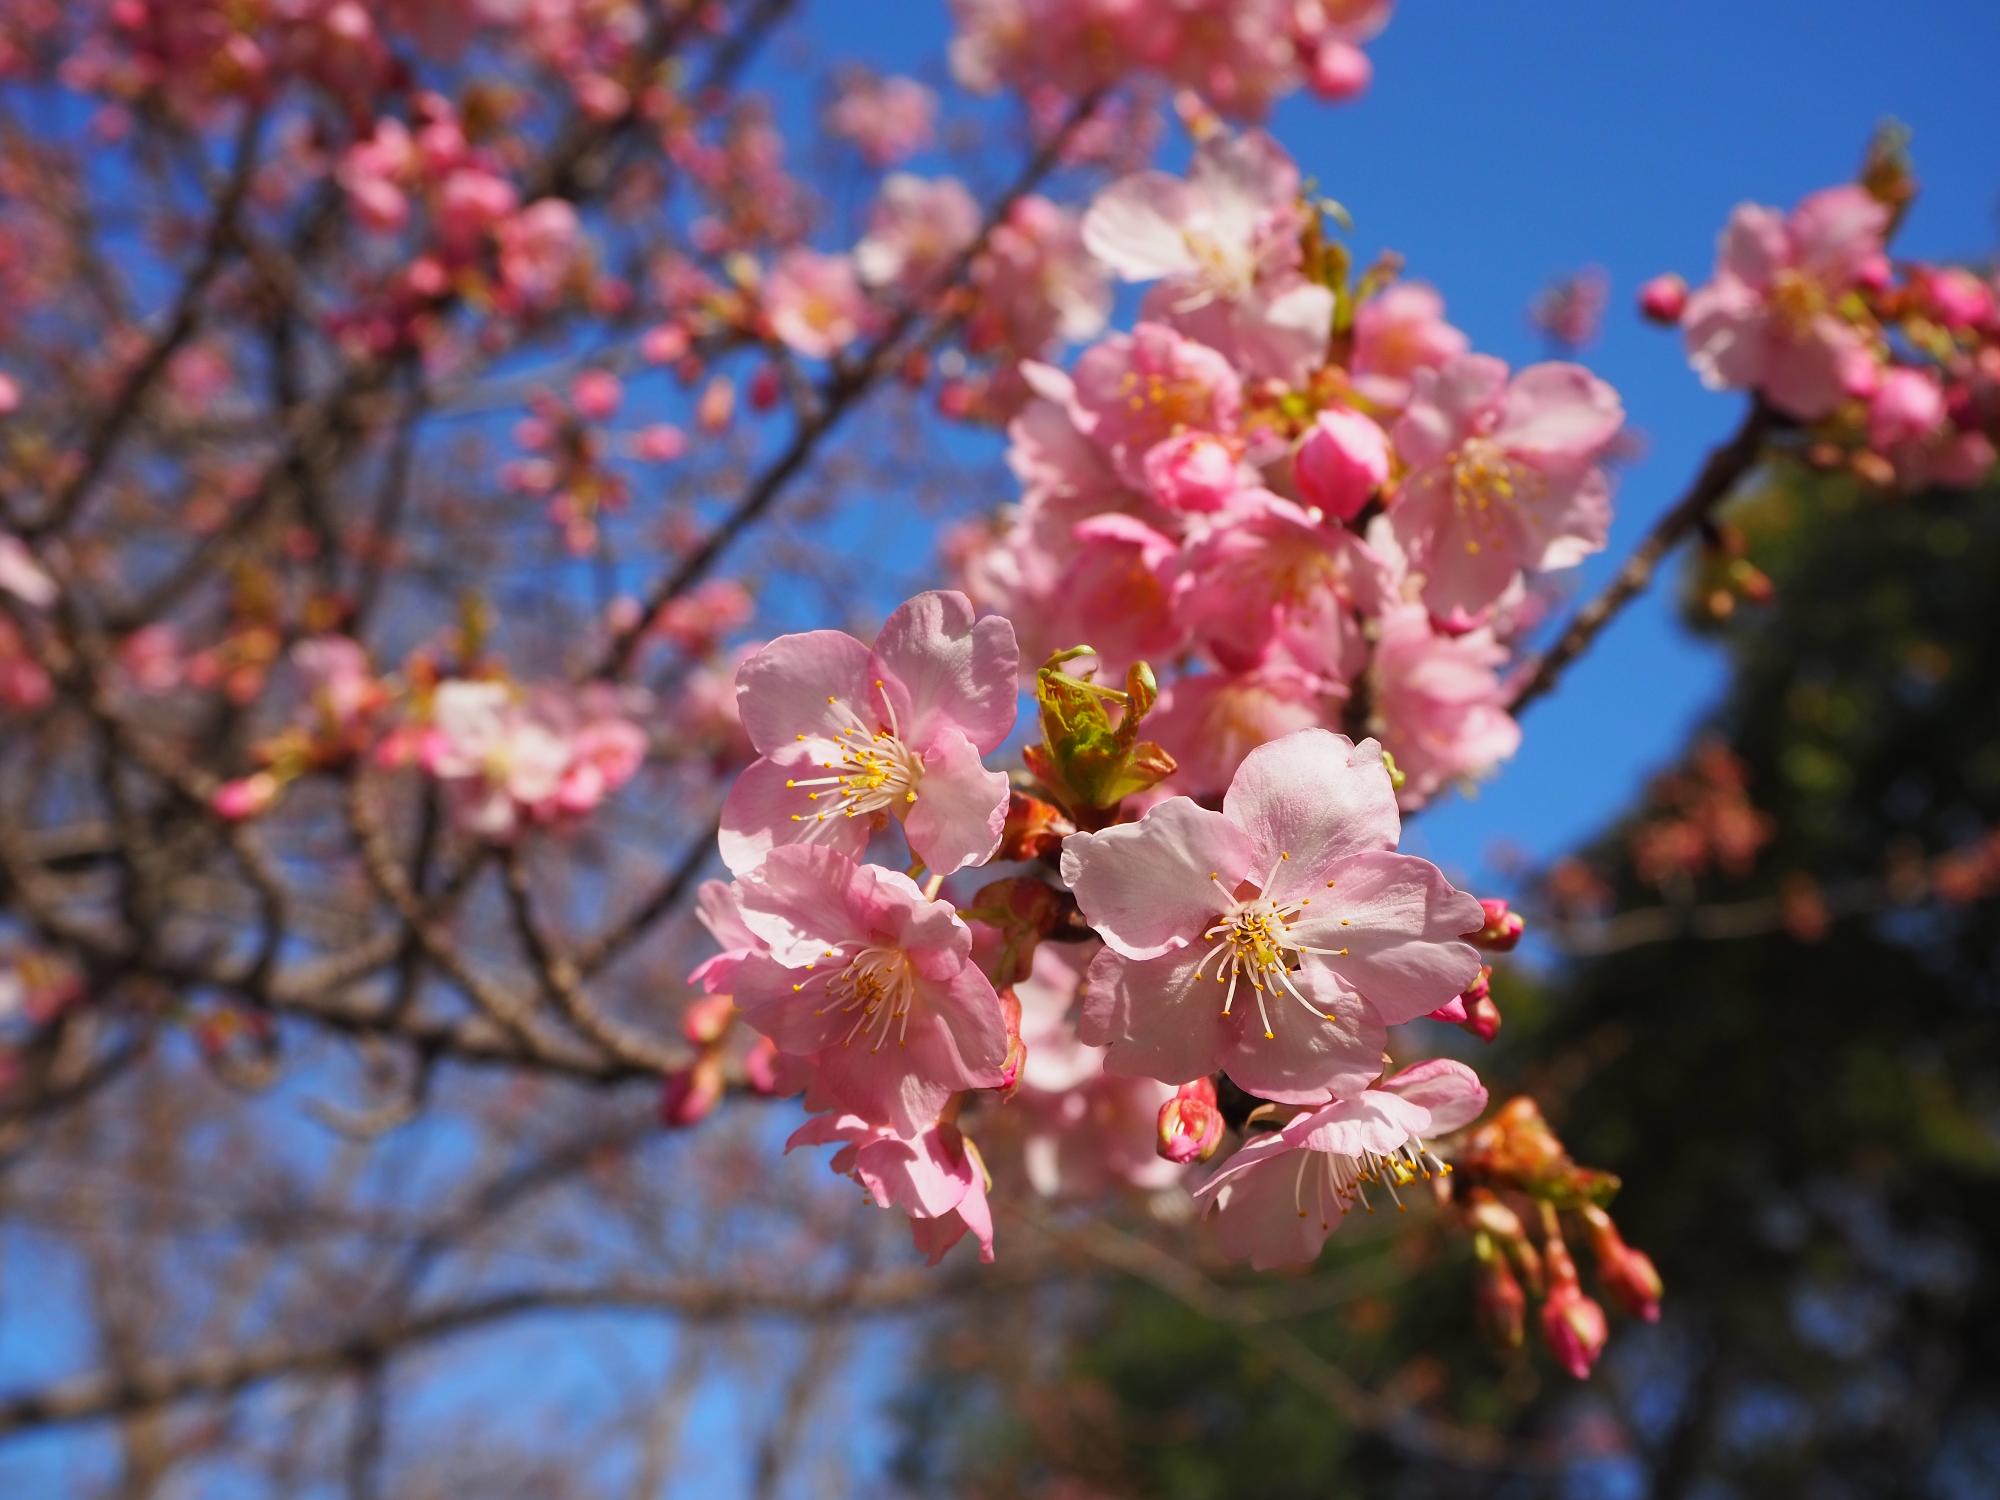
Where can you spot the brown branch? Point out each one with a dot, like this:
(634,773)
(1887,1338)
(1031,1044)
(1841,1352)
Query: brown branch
(1724,468)
(229,1370)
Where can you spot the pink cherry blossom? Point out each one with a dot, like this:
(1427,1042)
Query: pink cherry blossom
(1279,1197)
(850,736)
(872,980)
(1151,386)
(1503,475)
(814,302)
(718,907)
(1289,906)
(22,576)
(1037,284)
(1224,245)
(1208,721)
(1770,320)
(1240,584)
(887,119)
(1397,332)
(914,229)
(1439,702)
(539,248)
(495,759)
(1194,473)
(1083,1130)
(936,1177)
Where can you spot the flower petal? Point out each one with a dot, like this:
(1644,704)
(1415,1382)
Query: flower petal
(1305,1059)
(794,687)
(942,667)
(763,812)
(961,807)
(1157,1018)
(1317,797)
(1146,886)
(1401,923)
(1448,1089)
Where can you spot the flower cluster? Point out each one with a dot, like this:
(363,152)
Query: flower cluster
(1894,365)
(1273,942)
(1306,496)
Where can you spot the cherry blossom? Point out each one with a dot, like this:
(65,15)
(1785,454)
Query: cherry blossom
(1289,906)
(851,736)
(1279,1197)
(871,979)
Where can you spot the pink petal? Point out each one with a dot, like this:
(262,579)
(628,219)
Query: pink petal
(954,671)
(798,902)
(1305,1060)
(1753,246)
(1837,231)
(1317,797)
(1450,1090)
(1269,1213)
(1401,922)
(1447,405)
(1559,411)
(1371,1121)
(1157,1018)
(1146,886)
(795,684)
(881,1085)
(961,807)
(1134,227)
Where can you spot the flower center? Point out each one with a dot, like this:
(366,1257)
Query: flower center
(1797,299)
(1254,941)
(872,769)
(1339,1179)
(1486,486)
(1222,273)
(878,987)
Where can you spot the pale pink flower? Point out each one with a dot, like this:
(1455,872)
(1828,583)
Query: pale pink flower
(1439,702)
(814,302)
(1397,332)
(471,203)
(1279,1197)
(1224,244)
(887,119)
(496,760)
(1267,567)
(914,229)
(1083,1130)
(1194,473)
(1037,284)
(1208,721)
(1135,390)
(1770,320)
(1503,476)
(1342,462)
(1907,406)
(850,736)
(1289,907)
(539,248)
(936,1177)
(717,906)
(340,684)
(872,980)
(374,170)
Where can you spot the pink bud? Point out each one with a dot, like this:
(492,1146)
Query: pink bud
(760,1068)
(1343,461)
(1957,298)
(1628,1276)
(1573,1329)
(1908,406)
(706,1020)
(1498,1301)
(1340,70)
(1195,471)
(1190,1125)
(1503,928)
(664,344)
(10,395)
(1663,299)
(245,797)
(596,394)
(662,443)
(766,388)
(691,1095)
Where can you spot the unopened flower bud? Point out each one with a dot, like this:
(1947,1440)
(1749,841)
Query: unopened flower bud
(1663,299)
(245,797)
(760,1068)
(1503,928)
(691,1095)
(1192,472)
(1628,1276)
(1190,1126)
(1573,1328)
(1340,70)
(706,1019)
(1342,463)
